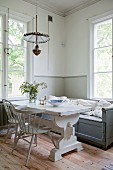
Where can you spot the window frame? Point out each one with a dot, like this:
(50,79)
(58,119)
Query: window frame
(25,64)
(26,20)
(90,79)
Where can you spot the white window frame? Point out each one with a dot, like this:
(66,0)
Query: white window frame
(29,71)
(90,80)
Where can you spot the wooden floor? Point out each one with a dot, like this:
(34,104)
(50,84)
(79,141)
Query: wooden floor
(91,158)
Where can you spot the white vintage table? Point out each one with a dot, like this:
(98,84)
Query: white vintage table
(63,119)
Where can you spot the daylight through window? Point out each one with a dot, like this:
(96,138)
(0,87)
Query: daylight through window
(102,75)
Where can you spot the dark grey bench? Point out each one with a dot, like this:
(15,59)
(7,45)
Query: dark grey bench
(95,130)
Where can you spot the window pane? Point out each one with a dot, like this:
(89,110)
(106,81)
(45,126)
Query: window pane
(14,82)
(0,57)
(103,59)
(0,29)
(0,71)
(16,59)
(103,34)
(103,85)
(15,71)
(16,64)
(16,31)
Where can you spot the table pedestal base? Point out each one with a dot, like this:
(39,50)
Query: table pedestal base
(67,141)
(56,154)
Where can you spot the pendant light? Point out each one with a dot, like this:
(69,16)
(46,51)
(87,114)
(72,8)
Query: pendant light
(36,37)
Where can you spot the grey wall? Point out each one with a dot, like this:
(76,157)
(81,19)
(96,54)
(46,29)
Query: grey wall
(55,85)
(71,86)
(76,86)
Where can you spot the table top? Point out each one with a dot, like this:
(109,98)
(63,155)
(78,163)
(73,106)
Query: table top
(63,110)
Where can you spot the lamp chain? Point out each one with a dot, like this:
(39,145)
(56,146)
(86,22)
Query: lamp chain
(36,19)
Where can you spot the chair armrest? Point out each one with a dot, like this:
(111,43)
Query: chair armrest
(107,115)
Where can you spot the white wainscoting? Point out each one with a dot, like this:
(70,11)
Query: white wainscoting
(70,86)
(55,85)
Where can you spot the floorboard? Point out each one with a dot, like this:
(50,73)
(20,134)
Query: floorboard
(90,158)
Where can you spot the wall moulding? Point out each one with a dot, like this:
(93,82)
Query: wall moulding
(64,12)
(50,76)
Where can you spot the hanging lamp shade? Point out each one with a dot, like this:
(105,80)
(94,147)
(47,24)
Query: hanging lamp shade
(41,38)
(36,37)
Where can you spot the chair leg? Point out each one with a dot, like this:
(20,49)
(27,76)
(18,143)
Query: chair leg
(35,140)
(53,141)
(16,134)
(7,133)
(30,146)
(16,140)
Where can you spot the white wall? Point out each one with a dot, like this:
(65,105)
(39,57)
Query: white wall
(77,47)
(19,6)
(74,31)
(50,63)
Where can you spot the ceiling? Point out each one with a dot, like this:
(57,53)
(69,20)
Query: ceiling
(62,7)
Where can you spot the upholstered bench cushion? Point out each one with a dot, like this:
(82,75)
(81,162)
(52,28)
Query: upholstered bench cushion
(95,105)
(94,118)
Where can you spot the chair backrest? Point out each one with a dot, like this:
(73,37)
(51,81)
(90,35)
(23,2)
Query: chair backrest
(28,120)
(9,110)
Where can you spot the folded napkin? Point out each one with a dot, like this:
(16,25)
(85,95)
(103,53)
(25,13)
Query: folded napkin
(103,103)
(83,102)
(97,113)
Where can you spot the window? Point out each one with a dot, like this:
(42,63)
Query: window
(101,65)
(13,66)
(0,56)
(16,58)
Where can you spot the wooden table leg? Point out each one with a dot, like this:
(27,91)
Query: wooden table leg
(68,140)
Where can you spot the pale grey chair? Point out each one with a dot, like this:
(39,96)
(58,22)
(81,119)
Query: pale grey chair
(29,124)
(12,121)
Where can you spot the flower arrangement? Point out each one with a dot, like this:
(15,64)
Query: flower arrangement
(32,89)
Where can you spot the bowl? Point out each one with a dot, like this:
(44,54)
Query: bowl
(55,102)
